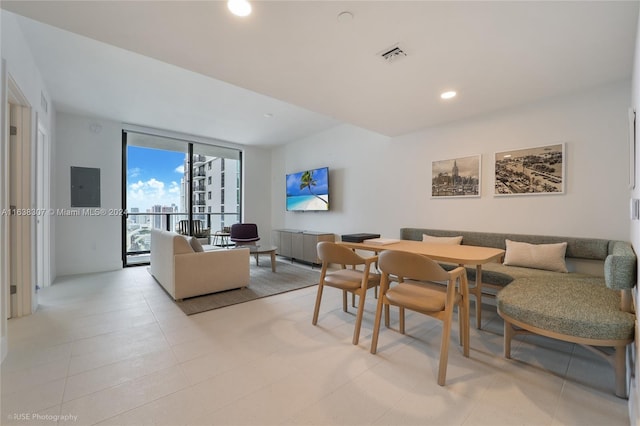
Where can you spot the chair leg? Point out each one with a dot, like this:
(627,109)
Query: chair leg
(444,349)
(401,309)
(317,308)
(508,335)
(465,328)
(353,300)
(356,332)
(620,368)
(376,324)
(460,324)
(386,315)
(478,310)
(344,300)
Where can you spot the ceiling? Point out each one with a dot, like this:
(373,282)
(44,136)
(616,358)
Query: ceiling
(193,67)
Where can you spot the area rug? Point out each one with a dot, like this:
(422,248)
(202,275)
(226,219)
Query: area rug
(263,283)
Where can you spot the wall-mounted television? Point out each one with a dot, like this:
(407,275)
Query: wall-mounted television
(308,190)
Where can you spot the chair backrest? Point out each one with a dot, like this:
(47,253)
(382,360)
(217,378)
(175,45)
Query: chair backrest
(330,252)
(198,228)
(183,227)
(244,232)
(411,266)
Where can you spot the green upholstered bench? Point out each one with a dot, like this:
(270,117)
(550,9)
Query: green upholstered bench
(591,305)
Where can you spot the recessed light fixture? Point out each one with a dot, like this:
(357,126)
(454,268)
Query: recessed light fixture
(448,95)
(239,7)
(345,16)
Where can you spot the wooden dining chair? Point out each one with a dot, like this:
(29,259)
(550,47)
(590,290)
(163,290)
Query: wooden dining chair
(413,291)
(346,279)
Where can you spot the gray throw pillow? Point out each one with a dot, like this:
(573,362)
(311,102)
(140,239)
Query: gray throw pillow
(195,245)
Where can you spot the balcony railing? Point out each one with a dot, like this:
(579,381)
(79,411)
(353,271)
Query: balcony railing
(198,159)
(139,225)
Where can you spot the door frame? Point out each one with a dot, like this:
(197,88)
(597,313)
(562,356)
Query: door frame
(20,260)
(42,204)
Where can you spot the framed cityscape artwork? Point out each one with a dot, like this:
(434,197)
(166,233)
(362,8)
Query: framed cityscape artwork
(458,177)
(530,171)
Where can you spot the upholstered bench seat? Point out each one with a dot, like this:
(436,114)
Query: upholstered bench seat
(498,275)
(590,305)
(594,312)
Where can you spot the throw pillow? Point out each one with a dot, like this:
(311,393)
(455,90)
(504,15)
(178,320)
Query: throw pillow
(549,257)
(442,240)
(195,245)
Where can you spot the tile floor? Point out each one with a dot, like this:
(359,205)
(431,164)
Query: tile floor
(113,349)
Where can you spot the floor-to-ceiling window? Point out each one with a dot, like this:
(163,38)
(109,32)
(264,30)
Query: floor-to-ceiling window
(171,184)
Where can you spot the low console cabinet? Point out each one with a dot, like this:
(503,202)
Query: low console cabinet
(300,245)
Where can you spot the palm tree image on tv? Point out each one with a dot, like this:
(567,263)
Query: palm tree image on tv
(308,190)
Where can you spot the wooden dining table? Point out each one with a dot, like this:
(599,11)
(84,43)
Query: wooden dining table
(459,254)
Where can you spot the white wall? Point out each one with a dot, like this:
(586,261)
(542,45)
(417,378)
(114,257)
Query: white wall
(257,190)
(381,184)
(634,398)
(88,243)
(93,243)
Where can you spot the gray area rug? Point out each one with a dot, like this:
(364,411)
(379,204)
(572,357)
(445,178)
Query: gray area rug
(263,283)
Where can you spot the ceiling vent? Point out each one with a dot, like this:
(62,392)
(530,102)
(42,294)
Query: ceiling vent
(392,54)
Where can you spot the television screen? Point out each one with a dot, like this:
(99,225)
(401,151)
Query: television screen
(308,190)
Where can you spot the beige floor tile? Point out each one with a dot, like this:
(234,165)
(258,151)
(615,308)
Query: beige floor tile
(427,406)
(180,408)
(119,372)
(120,352)
(31,377)
(579,405)
(46,417)
(32,400)
(116,400)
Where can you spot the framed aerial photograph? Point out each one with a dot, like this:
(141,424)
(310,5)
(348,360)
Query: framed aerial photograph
(458,177)
(530,171)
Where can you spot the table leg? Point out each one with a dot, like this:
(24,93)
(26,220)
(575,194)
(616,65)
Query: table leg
(273,261)
(257,261)
(478,291)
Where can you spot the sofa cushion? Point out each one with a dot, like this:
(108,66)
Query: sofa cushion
(549,257)
(620,266)
(582,307)
(499,275)
(457,240)
(195,244)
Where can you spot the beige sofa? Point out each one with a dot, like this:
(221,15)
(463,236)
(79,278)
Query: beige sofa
(184,272)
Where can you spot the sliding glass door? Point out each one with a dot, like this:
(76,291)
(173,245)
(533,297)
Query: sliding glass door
(176,185)
(216,186)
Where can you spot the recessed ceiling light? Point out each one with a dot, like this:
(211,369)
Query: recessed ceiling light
(448,95)
(239,7)
(345,16)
